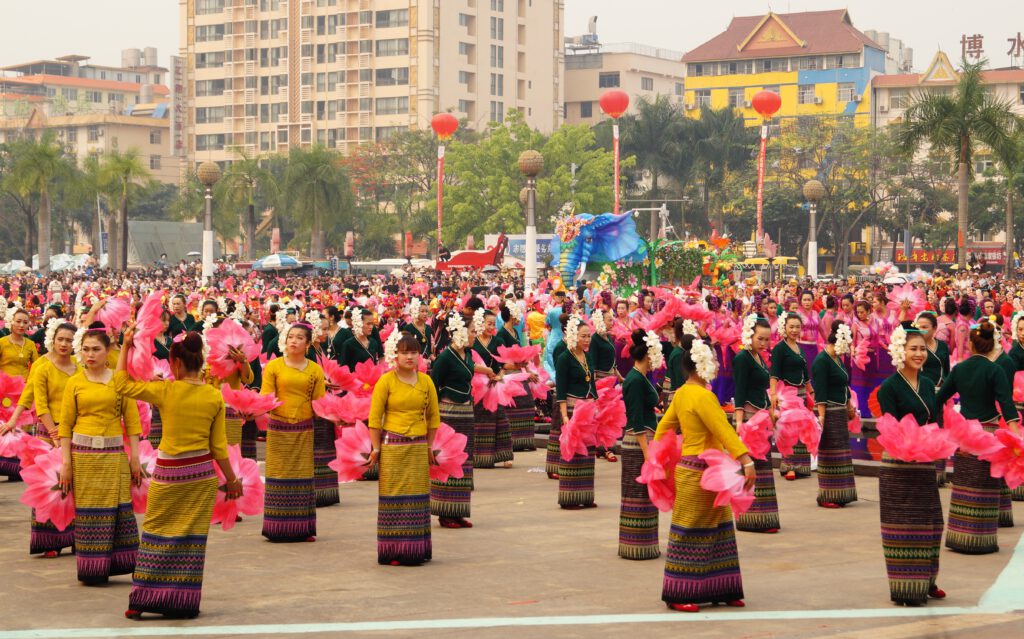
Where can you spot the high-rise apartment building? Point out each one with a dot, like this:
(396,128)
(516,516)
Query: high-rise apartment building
(266,75)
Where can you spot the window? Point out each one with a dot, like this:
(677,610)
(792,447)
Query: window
(608,80)
(210,60)
(774,88)
(209,87)
(94,96)
(204,7)
(809,64)
(497,5)
(114,97)
(364,104)
(154,137)
(69,94)
(465,77)
(497,111)
(209,32)
(465,106)
(497,84)
(154,162)
(396,76)
(366,17)
(846,91)
(392,106)
(497,28)
(805,94)
(93,134)
(736,98)
(1022,93)
(647,84)
(767,66)
(898,99)
(703,97)
(394,46)
(497,57)
(697,70)
(586,109)
(270,5)
(393,18)
(680,88)
(365,132)
(213,142)
(387,132)
(465,48)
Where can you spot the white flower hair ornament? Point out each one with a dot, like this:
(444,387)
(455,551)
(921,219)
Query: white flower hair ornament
(357,321)
(897,347)
(76,344)
(654,350)
(208,322)
(515,313)
(690,328)
(391,348)
(222,304)
(281,321)
(1018,316)
(844,339)
(572,332)
(478,321)
(51,331)
(414,308)
(458,331)
(3,307)
(597,319)
(704,360)
(12,308)
(313,319)
(747,334)
(239,313)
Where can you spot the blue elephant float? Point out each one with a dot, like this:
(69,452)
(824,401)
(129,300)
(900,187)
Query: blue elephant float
(583,239)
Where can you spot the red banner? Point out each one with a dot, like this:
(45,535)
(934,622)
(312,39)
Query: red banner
(922,256)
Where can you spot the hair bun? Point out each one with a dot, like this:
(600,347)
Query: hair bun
(638,336)
(193,342)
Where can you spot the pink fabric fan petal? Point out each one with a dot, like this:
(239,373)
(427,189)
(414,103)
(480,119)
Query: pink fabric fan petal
(331,408)
(577,433)
(611,413)
(517,354)
(658,470)
(355,408)
(115,313)
(1018,387)
(969,434)
(449,453)
(353,451)
(722,476)
(145,417)
(11,387)
(540,388)
(1008,461)
(249,402)
(906,441)
(41,491)
(28,448)
(861,354)
(337,375)
(10,443)
(366,375)
(226,511)
(854,425)
(907,292)
(482,391)
(141,361)
(221,339)
(147,459)
(756,432)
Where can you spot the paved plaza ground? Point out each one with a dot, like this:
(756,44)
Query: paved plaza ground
(527,569)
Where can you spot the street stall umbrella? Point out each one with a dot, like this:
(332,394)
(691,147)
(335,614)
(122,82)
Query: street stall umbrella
(276,262)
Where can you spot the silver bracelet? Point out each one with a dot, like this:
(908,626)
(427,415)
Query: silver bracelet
(748,464)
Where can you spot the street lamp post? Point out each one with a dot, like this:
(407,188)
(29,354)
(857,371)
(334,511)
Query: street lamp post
(813,191)
(531,163)
(208,173)
(766,103)
(444,125)
(614,103)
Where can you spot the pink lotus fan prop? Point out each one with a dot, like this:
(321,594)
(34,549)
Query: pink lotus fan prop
(854,425)
(969,434)
(1018,387)
(249,403)
(611,413)
(330,407)
(115,313)
(577,433)
(907,293)
(145,417)
(229,334)
(226,511)
(147,459)
(1008,461)
(491,395)
(140,362)
(353,453)
(28,448)
(11,387)
(517,354)
(337,376)
(539,389)
(658,471)
(861,354)
(449,453)
(722,476)
(42,490)
(795,423)
(906,441)
(756,432)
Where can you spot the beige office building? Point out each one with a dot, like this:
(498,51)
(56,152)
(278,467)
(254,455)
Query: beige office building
(639,70)
(266,75)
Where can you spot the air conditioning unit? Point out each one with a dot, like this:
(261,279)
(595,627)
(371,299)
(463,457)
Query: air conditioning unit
(883,109)
(690,106)
(747,104)
(858,98)
(818,100)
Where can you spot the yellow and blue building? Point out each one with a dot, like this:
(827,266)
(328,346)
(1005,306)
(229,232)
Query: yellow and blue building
(817,61)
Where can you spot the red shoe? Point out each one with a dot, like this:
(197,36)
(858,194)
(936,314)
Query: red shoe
(791,475)
(770,531)
(684,607)
(396,563)
(133,614)
(51,554)
(310,538)
(610,456)
(736,603)
(465,523)
(448,522)
(828,504)
(571,507)
(552,475)
(936,593)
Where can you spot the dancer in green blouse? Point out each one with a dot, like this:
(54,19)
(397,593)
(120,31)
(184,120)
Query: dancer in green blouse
(790,368)
(831,382)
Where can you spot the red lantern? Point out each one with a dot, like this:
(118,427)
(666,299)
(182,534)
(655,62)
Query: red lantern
(767,103)
(614,103)
(444,124)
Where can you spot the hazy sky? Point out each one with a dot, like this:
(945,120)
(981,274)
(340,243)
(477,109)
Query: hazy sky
(101,28)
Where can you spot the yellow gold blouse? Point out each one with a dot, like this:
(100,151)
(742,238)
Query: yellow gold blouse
(402,408)
(95,409)
(703,422)
(294,388)
(16,360)
(45,388)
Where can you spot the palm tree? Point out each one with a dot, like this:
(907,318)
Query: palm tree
(37,165)
(94,185)
(1011,160)
(124,169)
(957,123)
(316,185)
(651,135)
(721,143)
(238,187)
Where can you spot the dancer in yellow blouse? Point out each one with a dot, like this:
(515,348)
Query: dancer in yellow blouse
(44,391)
(702,563)
(168,576)
(96,466)
(17,351)
(403,420)
(289,512)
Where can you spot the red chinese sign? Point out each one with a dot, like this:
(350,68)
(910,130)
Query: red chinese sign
(922,256)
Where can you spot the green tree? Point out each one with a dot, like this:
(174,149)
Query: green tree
(957,123)
(721,142)
(652,135)
(125,172)
(37,163)
(246,180)
(317,190)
